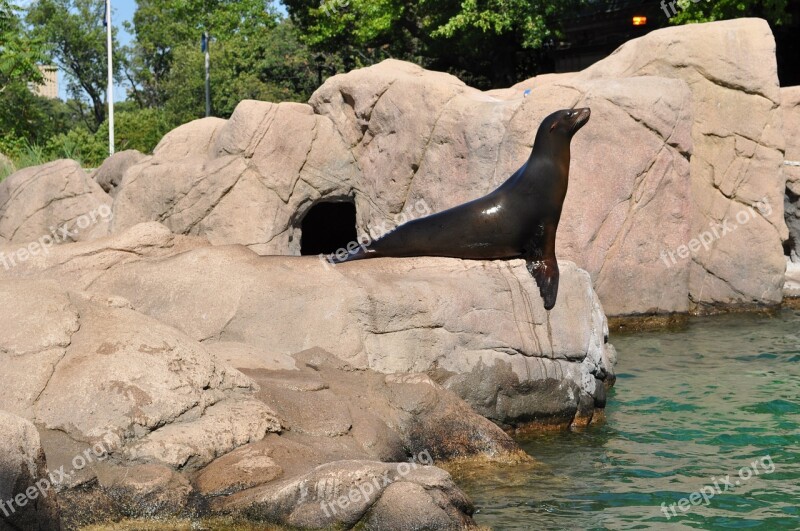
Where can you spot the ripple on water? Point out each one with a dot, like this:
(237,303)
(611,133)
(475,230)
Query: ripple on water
(689,408)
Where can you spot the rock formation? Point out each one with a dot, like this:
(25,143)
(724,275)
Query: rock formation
(201,375)
(394,136)
(737,157)
(126,346)
(50,204)
(479,328)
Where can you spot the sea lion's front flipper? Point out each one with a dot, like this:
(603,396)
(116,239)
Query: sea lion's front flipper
(546,274)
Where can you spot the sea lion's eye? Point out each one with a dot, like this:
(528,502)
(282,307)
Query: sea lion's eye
(569,114)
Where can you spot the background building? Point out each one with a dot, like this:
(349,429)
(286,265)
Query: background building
(48,89)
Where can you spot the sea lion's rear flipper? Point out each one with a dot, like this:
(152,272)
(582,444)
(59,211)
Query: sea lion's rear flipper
(546,274)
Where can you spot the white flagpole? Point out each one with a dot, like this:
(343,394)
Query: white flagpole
(110,93)
(208,75)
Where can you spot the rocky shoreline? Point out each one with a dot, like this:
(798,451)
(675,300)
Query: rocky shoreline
(168,355)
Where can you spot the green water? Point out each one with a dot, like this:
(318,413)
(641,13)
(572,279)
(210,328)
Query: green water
(689,406)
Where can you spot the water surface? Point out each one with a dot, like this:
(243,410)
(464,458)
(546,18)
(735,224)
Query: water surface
(690,408)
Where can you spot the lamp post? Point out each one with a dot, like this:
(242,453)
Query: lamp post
(322,67)
(320,60)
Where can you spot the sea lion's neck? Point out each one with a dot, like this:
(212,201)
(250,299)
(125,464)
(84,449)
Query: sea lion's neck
(549,155)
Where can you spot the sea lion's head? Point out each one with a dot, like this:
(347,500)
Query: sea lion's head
(567,121)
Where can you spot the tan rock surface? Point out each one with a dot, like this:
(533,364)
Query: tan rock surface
(36,202)
(738,140)
(111,173)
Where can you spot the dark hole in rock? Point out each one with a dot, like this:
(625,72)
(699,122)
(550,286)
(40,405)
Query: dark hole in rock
(328,227)
(791,211)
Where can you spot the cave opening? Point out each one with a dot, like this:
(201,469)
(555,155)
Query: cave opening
(328,227)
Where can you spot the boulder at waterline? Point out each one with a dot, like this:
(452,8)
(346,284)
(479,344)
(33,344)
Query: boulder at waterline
(737,158)
(27,497)
(479,328)
(177,427)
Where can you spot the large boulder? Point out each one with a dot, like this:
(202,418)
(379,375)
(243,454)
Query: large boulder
(431,139)
(54,203)
(362,494)
(342,427)
(400,141)
(27,494)
(147,421)
(248,180)
(790,108)
(478,328)
(110,174)
(737,157)
(89,366)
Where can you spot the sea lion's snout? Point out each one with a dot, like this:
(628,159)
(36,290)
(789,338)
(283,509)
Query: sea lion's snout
(580,117)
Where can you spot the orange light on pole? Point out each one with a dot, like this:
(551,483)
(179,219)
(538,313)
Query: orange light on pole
(639,21)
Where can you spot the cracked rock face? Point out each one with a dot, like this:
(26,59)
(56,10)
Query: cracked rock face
(91,369)
(36,202)
(478,328)
(737,158)
(685,135)
(266,165)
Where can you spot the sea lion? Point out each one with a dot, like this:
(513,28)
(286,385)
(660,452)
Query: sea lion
(517,220)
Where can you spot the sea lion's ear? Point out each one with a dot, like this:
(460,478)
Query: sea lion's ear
(555,123)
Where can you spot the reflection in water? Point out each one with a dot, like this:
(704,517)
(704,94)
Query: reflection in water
(689,407)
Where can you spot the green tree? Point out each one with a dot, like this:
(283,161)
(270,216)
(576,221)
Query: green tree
(166,29)
(273,67)
(19,55)
(774,11)
(25,118)
(134,128)
(75,37)
(490,42)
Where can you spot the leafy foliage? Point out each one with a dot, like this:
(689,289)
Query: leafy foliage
(774,11)
(19,54)
(73,33)
(168,30)
(489,42)
(274,67)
